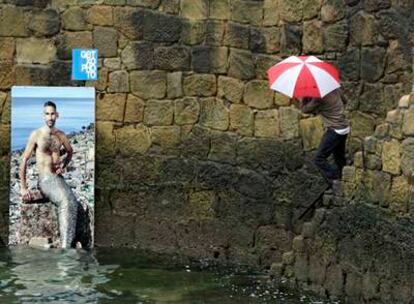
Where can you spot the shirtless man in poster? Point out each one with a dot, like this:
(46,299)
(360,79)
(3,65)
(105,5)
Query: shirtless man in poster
(46,142)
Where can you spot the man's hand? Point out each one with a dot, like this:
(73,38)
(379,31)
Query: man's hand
(26,195)
(60,170)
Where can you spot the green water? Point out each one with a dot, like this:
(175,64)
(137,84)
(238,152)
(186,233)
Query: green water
(127,276)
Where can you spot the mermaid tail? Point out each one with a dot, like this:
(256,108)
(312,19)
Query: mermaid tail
(59,193)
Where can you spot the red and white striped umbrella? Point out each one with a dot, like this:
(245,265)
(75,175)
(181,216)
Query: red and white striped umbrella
(303,76)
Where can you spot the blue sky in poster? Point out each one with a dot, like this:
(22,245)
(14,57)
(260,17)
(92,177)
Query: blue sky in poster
(76,107)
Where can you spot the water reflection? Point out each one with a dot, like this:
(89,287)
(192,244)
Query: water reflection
(125,276)
(64,276)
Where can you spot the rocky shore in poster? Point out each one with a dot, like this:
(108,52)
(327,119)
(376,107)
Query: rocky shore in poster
(39,219)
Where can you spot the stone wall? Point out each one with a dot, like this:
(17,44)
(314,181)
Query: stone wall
(194,153)
(359,244)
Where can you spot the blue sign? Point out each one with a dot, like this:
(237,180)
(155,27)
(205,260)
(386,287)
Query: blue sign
(84,64)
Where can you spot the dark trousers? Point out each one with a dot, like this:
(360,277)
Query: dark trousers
(331,143)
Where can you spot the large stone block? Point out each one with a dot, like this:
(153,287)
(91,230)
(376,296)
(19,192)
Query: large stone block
(159,112)
(372,63)
(223,147)
(290,40)
(246,11)
(349,65)
(200,85)
(214,114)
(408,122)
(220,9)
(194,9)
(392,24)
(363,29)
(170,6)
(193,32)
(241,65)
(230,89)
(258,95)
(186,111)
(336,36)
(34,50)
(241,119)
(70,40)
(112,64)
(291,10)
(214,32)
(129,21)
(372,99)
(399,195)
(132,140)
(118,82)
(106,41)
(74,19)
(407,157)
(266,124)
(45,23)
(398,57)
(134,111)
(289,122)
(311,131)
(100,15)
(265,40)
(271,12)
(333,10)
(148,84)
(377,186)
(174,85)
(162,28)
(311,9)
(237,35)
(172,58)
(111,107)
(391,159)
(206,59)
(13,22)
(138,55)
(312,37)
(145,3)
(362,124)
(165,136)
(7,75)
(7,47)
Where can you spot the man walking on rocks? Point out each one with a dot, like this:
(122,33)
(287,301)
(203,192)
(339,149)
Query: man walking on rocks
(331,109)
(46,142)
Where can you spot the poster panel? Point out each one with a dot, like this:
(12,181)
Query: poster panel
(52,167)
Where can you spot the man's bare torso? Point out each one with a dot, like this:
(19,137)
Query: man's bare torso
(48,144)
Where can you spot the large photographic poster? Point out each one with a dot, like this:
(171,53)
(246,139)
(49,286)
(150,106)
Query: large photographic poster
(52,167)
